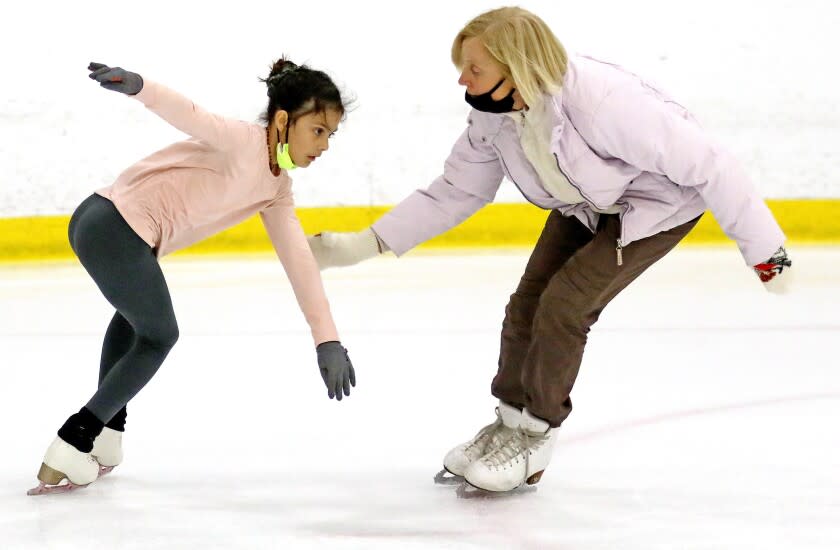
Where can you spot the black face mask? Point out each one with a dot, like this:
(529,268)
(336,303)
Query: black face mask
(484,102)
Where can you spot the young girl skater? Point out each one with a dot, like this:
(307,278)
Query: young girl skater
(626,173)
(184,193)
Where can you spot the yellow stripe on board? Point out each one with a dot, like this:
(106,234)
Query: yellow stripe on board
(45,237)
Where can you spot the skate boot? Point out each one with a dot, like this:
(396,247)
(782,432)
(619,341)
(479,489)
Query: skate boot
(68,457)
(521,459)
(107,450)
(107,447)
(458,459)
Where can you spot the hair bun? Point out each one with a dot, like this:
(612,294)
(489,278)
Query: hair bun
(280,69)
(288,66)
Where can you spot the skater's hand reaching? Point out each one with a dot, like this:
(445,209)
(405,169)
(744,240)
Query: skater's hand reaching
(115,78)
(775,272)
(336,369)
(343,249)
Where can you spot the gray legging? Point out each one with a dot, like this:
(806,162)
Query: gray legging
(127,272)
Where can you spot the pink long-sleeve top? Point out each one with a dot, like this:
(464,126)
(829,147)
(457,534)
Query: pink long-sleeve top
(195,188)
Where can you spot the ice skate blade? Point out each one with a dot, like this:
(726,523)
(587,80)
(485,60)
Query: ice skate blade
(44,489)
(469,491)
(50,481)
(445,477)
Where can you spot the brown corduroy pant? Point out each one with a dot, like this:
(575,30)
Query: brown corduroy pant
(571,276)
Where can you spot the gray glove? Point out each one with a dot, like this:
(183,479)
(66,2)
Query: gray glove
(116,79)
(336,369)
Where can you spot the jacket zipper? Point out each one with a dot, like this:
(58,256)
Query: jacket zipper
(573,184)
(619,242)
(619,256)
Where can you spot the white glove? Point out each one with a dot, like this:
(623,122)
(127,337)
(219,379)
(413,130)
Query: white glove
(775,273)
(782,283)
(341,249)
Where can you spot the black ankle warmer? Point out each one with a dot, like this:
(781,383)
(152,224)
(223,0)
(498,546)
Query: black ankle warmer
(81,429)
(118,421)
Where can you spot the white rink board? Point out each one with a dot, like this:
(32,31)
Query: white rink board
(760,78)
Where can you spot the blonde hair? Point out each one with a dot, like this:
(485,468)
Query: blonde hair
(523,45)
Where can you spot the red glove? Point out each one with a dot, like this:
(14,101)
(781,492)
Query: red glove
(773,269)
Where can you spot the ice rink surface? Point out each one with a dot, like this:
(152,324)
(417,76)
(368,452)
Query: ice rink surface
(706,412)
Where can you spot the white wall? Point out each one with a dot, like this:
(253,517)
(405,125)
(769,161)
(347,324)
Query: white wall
(761,75)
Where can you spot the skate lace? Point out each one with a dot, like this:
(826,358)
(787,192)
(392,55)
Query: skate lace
(520,443)
(484,434)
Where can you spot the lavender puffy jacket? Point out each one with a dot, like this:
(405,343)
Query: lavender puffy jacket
(619,141)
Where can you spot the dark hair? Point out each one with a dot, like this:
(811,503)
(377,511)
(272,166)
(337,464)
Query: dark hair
(299,90)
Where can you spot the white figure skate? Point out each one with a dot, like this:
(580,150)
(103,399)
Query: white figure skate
(520,459)
(458,459)
(107,450)
(62,462)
